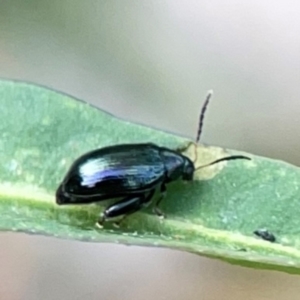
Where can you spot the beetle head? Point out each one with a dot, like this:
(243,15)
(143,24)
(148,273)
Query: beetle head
(188,169)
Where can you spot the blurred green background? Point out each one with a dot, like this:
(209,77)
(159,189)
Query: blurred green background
(153,62)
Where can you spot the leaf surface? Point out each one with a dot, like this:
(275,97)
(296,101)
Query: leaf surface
(43,131)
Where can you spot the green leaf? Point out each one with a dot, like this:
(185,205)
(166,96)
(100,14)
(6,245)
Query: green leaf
(43,131)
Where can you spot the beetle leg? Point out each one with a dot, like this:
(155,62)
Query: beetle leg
(156,209)
(125,207)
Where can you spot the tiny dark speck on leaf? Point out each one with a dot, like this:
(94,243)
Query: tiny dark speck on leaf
(265,235)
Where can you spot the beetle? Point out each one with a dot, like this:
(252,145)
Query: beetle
(265,235)
(131,172)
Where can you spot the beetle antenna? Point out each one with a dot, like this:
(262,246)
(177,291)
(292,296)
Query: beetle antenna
(223,159)
(201,119)
(202,114)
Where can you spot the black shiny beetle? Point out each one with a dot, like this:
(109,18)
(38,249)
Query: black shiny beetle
(131,172)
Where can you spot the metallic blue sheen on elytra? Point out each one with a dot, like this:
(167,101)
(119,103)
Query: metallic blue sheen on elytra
(121,170)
